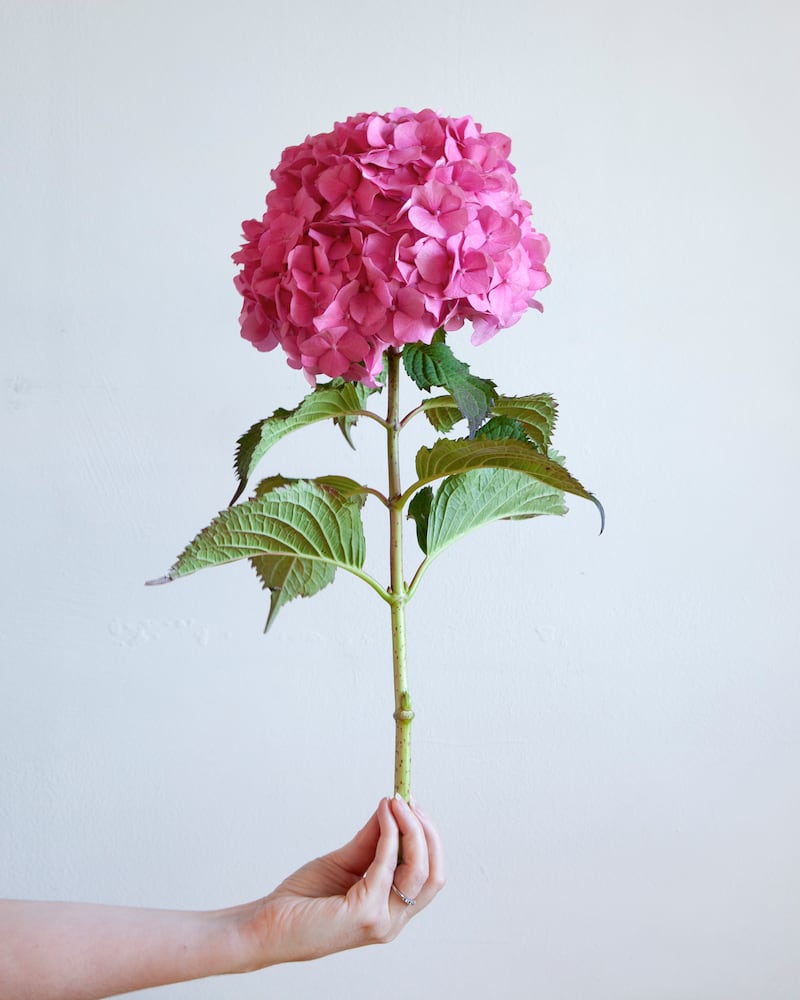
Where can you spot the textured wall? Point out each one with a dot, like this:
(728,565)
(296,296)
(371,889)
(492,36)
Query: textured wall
(607,727)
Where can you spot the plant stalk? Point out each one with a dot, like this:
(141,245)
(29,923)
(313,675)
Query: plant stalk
(403,712)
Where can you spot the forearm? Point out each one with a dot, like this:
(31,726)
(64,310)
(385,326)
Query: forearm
(345,899)
(81,951)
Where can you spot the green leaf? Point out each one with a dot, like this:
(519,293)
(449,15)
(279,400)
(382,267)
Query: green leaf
(345,425)
(502,429)
(536,414)
(347,421)
(442,413)
(447,458)
(470,499)
(434,364)
(419,510)
(338,401)
(554,456)
(342,485)
(287,577)
(270,484)
(301,519)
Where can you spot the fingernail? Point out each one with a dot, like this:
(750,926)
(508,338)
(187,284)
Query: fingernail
(415,806)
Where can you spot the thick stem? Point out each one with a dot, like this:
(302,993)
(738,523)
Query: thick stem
(403,713)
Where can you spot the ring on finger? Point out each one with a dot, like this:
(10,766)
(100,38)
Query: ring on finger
(406,899)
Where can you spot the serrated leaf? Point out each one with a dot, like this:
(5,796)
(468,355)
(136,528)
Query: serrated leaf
(271,483)
(502,429)
(447,458)
(554,456)
(345,486)
(442,413)
(471,499)
(419,510)
(342,485)
(347,421)
(332,401)
(536,414)
(288,577)
(474,397)
(428,365)
(434,364)
(299,519)
(345,425)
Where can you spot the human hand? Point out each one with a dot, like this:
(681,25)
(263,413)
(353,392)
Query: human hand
(345,899)
(85,951)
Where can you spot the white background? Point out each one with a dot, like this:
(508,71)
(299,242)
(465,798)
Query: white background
(607,727)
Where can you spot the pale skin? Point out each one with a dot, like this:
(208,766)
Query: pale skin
(82,951)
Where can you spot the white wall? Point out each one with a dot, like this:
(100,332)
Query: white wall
(607,727)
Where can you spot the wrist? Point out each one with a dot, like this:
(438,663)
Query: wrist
(245,937)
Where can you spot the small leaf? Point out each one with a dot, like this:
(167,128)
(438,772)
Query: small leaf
(536,414)
(434,364)
(288,577)
(471,499)
(299,519)
(347,421)
(502,429)
(342,485)
(345,425)
(442,413)
(334,400)
(270,484)
(419,510)
(474,397)
(447,458)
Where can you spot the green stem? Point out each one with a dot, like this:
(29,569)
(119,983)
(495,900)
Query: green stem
(403,713)
(410,415)
(371,581)
(371,416)
(417,577)
(378,494)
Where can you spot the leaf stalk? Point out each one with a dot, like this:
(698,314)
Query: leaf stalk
(411,414)
(415,580)
(371,416)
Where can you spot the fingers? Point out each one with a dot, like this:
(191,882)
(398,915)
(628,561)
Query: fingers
(436,869)
(406,832)
(413,870)
(339,908)
(380,874)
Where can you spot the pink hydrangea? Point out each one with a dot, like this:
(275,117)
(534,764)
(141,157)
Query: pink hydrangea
(380,232)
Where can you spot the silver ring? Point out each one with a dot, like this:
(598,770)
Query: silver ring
(406,900)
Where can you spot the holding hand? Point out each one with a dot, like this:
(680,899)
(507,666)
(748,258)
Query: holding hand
(350,897)
(354,896)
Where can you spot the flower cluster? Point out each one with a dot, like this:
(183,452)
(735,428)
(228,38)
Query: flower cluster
(380,232)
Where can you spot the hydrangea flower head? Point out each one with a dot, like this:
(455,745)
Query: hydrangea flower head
(380,232)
